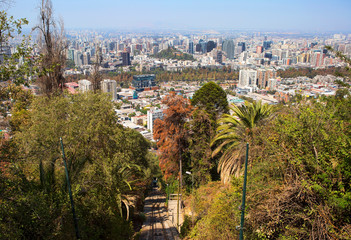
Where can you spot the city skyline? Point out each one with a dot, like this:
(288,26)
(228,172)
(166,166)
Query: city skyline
(306,16)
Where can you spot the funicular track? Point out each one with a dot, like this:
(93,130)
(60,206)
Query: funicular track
(157,226)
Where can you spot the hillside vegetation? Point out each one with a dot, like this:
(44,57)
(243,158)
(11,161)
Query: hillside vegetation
(298,182)
(172,53)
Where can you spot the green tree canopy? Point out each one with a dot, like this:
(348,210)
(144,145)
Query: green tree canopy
(211,98)
(107,164)
(10,69)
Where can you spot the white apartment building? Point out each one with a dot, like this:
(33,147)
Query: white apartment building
(109,86)
(85,85)
(152,115)
(247,78)
(272,84)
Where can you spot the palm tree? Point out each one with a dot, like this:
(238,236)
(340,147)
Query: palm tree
(119,182)
(234,131)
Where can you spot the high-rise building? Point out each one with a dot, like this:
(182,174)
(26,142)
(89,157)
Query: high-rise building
(86,58)
(259,49)
(5,51)
(198,47)
(243,56)
(125,58)
(120,47)
(70,54)
(210,46)
(139,47)
(112,46)
(242,45)
(85,85)
(78,58)
(263,75)
(228,47)
(247,78)
(155,50)
(152,115)
(109,86)
(203,46)
(219,57)
(191,47)
(240,48)
(267,44)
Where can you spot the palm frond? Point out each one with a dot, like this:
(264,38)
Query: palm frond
(232,133)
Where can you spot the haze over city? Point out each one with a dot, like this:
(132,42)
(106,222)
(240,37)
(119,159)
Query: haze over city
(275,15)
(170,120)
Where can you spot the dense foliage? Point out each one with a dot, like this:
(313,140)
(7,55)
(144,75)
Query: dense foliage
(108,166)
(299,178)
(188,74)
(211,98)
(172,53)
(311,73)
(9,69)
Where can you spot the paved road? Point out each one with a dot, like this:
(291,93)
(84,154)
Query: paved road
(157,225)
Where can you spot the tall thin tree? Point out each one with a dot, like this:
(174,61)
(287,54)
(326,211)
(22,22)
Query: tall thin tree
(53,47)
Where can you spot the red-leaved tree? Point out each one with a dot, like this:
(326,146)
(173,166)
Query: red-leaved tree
(171,133)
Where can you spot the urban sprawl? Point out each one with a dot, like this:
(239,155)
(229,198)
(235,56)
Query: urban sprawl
(256,57)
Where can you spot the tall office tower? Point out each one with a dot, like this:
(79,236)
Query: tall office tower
(125,58)
(148,46)
(132,49)
(155,50)
(191,47)
(112,46)
(203,45)
(78,58)
(210,46)
(85,85)
(70,54)
(247,78)
(219,57)
(238,49)
(198,47)
(139,47)
(228,47)
(109,86)
(259,49)
(243,45)
(285,54)
(120,47)
(267,44)
(268,55)
(86,58)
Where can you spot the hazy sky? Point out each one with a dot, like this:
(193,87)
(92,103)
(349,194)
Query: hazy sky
(288,15)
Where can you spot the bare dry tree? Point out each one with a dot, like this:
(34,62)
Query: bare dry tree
(96,76)
(53,45)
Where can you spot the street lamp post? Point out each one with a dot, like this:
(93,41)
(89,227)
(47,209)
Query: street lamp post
(241,236)
(70,191)
(192,193)
(167,193)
